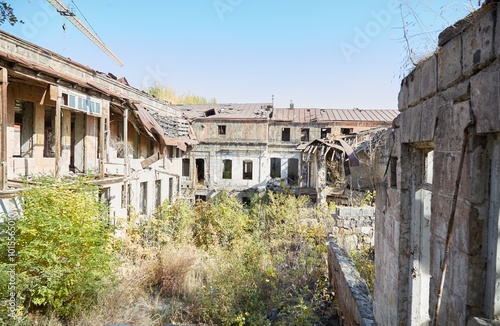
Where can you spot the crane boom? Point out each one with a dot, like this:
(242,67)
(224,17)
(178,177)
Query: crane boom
(64,11)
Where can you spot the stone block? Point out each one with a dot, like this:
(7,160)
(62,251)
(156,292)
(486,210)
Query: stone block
(415,123)
(428,80)
(449,62)
(414,83)
(485,96)
(477,41)
(428,122)
(474,177)
(446,163)
(452,121)
(456,93)
(403,95)
(476,282)
(405,125)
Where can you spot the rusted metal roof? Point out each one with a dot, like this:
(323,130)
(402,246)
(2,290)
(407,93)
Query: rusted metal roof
(327,115)
(226,111)
(263,111)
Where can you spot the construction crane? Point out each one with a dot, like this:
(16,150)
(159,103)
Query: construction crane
(64,11)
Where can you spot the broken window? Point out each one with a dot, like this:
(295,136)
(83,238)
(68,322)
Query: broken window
(49,132)
(285,134)
(346,131)
(151,147)
(143,197)
(158,193)
(325,132)
(200,169)
(247,170)
(23,128)
(185,167)
(304,134)
(221,129)
(275,167)
(293,171)
(227,169)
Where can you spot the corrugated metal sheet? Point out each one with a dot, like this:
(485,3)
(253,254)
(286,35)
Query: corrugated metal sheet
(262,110)
(326,115)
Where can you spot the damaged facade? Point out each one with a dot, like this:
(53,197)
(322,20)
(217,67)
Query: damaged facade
(65,119)
(61,118)
(247,148)
(437,218)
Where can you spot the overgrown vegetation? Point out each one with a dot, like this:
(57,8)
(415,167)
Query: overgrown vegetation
(166,93)
(260,266)
(62,245)
(216,263)
(364,262)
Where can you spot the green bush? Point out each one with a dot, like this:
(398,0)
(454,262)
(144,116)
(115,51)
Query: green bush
(63,248)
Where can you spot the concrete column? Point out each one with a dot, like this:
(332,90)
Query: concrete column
(57,131)
(64,139)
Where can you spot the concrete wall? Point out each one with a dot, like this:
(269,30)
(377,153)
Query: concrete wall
(238,131)
(457,84)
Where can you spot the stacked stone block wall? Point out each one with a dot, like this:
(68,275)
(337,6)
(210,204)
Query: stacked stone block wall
(457,84)
(352,228)
(352,294)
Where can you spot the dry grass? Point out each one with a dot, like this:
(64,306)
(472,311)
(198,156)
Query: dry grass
(150,291)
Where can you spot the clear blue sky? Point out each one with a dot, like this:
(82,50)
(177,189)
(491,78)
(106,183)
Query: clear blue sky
(318,53)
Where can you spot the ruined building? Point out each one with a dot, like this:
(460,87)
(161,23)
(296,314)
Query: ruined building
(437,218)
(246,148)
(62,118)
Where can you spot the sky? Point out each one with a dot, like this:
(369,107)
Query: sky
(316,53)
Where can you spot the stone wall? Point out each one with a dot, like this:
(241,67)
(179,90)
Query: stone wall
(457,86)
(351,292)
(352,228)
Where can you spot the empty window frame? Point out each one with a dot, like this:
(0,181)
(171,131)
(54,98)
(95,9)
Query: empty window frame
(304,134)
(293,171)
(49,132)
(247,170)
(227,169)
(200,169)
(393,177)
(325,132)
(285,134)
(24,128)
(221,129)
(158,193)
(185,167)
(143,197)
(346,131)
(275,167)
(123,197)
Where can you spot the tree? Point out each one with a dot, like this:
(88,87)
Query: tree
(7,14)
(62,246)
(168,94)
